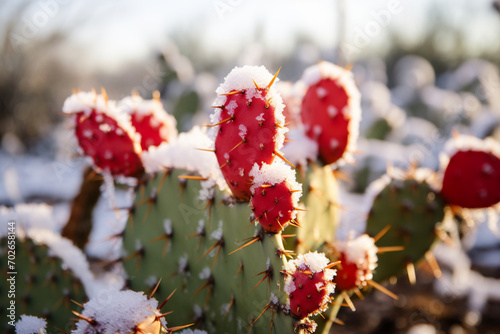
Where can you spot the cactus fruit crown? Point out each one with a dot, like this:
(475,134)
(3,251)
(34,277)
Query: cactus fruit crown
(471,172)
(331,111)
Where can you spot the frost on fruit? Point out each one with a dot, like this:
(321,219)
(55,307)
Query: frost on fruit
(471,172)
(275,195)
(105,134)
(358,259)
(309,284)
(247,125)
(331,111)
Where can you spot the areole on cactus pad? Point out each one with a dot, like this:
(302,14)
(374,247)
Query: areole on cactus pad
(249,125)
(331,111)
(471,172)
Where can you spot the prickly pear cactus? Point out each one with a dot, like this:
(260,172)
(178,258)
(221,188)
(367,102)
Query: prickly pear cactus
(42,285)
(411,209)
(188,242)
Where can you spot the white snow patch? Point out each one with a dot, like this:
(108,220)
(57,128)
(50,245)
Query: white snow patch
(28,324)
(300,148)
(217,234)
(205,273)
(185,153)
(116,312)
(242,131)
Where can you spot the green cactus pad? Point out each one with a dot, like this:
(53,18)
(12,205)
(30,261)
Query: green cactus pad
(412,209)
(320,221)
(42,287)
(170,239)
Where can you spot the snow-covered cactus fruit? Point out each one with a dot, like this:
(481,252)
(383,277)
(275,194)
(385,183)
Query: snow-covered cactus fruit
(105,134)
(409,210)
(149,119)
(358,259)
(193,243)
(275,195)
(249,125)
(121,312)
(309,284)
(471,172)
(49,272)
(331,111)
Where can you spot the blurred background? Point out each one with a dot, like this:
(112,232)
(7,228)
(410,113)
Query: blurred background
(424,68)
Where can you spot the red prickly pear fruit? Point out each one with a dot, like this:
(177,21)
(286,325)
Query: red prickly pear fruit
(150,120)
(358,259)
(309,284)
(105,134)
(275,195)
(248,125)
(471,172)
(331,111)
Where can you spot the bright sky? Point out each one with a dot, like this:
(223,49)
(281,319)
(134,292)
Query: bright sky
(110,33)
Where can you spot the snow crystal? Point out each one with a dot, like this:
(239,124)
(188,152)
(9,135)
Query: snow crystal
(273,299)
(167,225)
(205,273)
(277,172)
(185,153)
(230,108)
(321,92)
(242,131)
(217,234)
(359,250)
(116,312)
(28,324)
(317,130)
(260,118)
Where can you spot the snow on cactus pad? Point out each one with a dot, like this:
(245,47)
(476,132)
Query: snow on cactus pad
(275,195)
(358,259)
(150,120)
(471,172)
(120,312)
(309,284)
(331,111)
(105,134)
(248,124)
